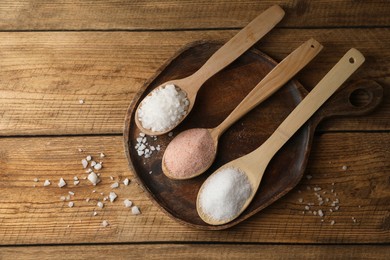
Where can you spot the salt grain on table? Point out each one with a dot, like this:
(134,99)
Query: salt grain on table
(105,223)
(84,162)
(114,185)
(98,166)
(75,183)
(100,204)
(112,196)
(128,203)
(70,204)
(89,157)
(126,181)
(135,210)
(61,183)
(46,183)
(93,178)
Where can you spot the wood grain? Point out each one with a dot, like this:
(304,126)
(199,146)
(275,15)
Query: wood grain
(197,251)
(188,14)
(36,215)
(43,76)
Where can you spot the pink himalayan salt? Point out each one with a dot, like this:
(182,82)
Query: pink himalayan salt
(189,153)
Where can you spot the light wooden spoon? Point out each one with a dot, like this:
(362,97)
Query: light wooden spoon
(254,164)
(229,52)
(274,80)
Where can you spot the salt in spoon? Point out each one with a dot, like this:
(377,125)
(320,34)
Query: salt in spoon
(253,165)
(230,51)
(185,161)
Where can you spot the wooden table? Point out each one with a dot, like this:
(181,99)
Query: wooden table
(55,53)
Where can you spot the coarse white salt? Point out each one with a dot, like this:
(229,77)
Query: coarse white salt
(84,162)
(36,179)
(81,101)
(70,204)
(97,166)
(89,170)
(75,178)
(105,223)
(80,150)
(163,108)
(114,185)
(128,203)
(135,210)
(61,183)
(87,199)
(93,178)
(111,178)
(89,157)
(95,213)
(307,207)
(71,193)
(320,213)
(170,134)
(102,155)
(332,222)
(345,167)
(224,193)
(300,200)
(46,183)
(126,181)
(93,163)
(100,204)
(317,189)
(75,183)
(62,198)
(112,196)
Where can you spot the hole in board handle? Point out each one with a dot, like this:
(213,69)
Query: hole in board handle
(351,60)
(360,97)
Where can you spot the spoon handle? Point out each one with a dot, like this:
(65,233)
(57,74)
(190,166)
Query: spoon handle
(274,80)
(241,42)
(346,66)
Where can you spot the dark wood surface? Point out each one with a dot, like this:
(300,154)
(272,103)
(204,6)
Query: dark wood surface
(54,53)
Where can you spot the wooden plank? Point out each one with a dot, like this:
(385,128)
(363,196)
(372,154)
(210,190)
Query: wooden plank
(43,76)
(198,251)
(36,215)
(189,14)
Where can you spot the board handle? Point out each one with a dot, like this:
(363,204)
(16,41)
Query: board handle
(356,99)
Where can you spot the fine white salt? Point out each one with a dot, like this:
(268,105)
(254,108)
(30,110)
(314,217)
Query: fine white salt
(112,196)
(128,203)
(61,183)
(163,108)
(224,194)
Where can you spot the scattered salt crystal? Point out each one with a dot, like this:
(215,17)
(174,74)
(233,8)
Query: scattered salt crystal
(114,185)
(128,203)
(93,178)
(300,200)
(70,204)
(152,148)
(71,193)
(95,213)
(307,207)
(140,153)
(100,204)
(111,178)
(317,189)
(81,101)
(105,223)
(158,148)
(332,222)
(89,170)
(36,179)
(224,194)
(76,183)
(75,178)
(170,134)
(98,166)
(105,198)
(87,199)
(113,196)
(80,150)
(150,172)
(142,134)
(102,155)
(345,167)
(67,197)
(93,163)
(46,183)
(126,181)
(163,108)
(89,157)
(84,162)
(62,198)
(61,183)
(135,210)
(320,213)
(93,191)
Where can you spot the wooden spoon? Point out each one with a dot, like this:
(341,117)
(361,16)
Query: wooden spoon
(230,51)
(275,79)
(255,163)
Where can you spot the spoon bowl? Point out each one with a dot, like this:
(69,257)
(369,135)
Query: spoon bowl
(188,156)
(229,52)
(250,166)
